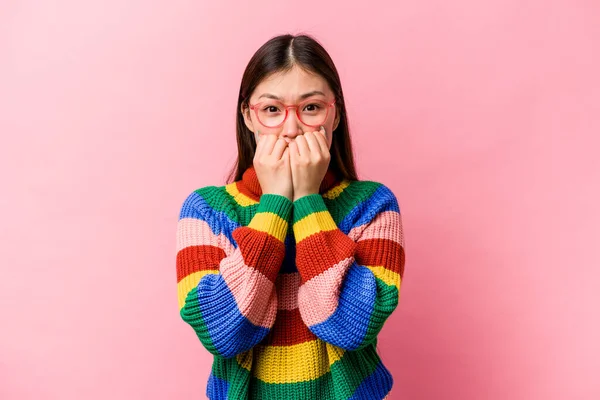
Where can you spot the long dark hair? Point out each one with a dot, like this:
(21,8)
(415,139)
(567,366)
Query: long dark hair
(280,54)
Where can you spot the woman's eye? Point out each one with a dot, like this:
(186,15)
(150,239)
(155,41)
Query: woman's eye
(270,109)
(315,107)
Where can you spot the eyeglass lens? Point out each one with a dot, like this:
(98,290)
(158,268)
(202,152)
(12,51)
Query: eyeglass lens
(272,112)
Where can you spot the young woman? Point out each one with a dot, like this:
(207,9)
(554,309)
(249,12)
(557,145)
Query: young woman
(288,272)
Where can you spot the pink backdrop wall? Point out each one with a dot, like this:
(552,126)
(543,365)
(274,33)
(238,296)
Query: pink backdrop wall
(483,117)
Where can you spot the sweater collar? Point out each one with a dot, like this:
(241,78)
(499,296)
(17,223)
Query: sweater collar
(251,186)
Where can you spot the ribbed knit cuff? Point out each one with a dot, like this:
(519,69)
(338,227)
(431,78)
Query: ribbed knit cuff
(311,216)
(308,204)
(320,244)
(272,215)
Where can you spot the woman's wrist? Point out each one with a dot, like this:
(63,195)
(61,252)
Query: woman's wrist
(302,194)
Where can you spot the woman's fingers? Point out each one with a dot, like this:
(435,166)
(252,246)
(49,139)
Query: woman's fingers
(314,142)
(303,149)
(321,137)
(293,146)
(265,146)
(269,143)
(279,147)
(305,145)
(259,144)
(286,155)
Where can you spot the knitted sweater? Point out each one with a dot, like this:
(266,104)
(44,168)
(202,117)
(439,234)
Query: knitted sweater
(289,297)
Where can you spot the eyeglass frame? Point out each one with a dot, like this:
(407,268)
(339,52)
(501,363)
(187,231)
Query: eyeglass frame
(287,107)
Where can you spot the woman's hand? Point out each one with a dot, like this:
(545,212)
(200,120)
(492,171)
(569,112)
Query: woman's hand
(272,165)
(309,159)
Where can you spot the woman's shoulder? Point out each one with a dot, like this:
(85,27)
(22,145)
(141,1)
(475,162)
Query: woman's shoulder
(370,190)
(209,199)
(359,202)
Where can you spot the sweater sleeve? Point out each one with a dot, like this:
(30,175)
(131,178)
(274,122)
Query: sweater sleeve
(226,272)
(349,282)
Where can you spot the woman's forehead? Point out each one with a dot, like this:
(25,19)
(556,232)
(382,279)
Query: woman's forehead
(292,85)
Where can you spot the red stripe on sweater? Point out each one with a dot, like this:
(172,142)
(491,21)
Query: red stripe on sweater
(381,252)
(260,250)
(288,330)
(244,190)
(321,251)
(198,258)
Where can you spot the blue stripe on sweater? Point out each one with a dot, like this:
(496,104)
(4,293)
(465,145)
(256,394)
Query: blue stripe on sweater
(195,206)
(230,332)
(216,388)
(381,200)
(347,326)
(375,386)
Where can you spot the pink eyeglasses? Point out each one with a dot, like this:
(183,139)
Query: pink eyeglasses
(312,112)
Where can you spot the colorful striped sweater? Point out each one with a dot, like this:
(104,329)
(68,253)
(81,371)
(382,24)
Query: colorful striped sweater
(289,297)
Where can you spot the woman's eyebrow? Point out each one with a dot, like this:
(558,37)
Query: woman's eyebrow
(302,96)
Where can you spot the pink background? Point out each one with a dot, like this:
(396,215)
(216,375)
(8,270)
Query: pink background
(483,117)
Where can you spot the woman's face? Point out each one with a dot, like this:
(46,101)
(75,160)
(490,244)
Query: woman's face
(288,87)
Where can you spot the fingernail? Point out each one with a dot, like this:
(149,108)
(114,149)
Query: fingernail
(324,131)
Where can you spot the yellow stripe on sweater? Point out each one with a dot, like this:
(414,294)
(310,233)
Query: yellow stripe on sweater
(391,278)
(238,196)
(190,282)
(244,360)
(320,221)
(336,190)
(290,364)
(270,223)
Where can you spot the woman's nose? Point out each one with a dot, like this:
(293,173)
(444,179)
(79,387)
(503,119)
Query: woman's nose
(292,127)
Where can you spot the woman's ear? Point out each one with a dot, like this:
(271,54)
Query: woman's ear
(245,110)
(336,121)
